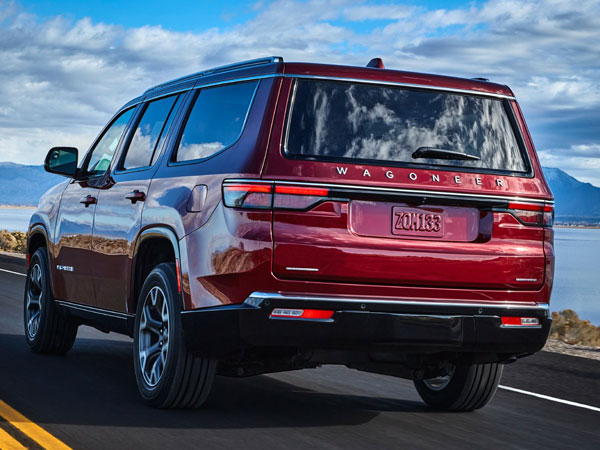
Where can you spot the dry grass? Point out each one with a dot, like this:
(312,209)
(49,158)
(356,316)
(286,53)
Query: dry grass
(568,327)
(15,241)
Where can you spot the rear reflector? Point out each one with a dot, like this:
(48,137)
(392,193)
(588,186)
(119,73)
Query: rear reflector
(533,214)
(520,322)
(178,275)
(309,314)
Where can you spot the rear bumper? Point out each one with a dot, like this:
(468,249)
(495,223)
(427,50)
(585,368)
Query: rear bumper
(360,324)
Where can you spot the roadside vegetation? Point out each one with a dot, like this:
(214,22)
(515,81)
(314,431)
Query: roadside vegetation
(14,242)
(569,328)
(566,325)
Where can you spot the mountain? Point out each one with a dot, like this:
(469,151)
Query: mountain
(24,185)
(576,202)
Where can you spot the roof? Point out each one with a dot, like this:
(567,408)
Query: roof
(275,66)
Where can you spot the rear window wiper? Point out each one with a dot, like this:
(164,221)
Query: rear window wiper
(442,153)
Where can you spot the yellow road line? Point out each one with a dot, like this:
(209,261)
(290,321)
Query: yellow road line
(7,442)
(34,431)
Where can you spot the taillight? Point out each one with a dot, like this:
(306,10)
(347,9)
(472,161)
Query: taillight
(248,195)
(266,196)
(533,214)
(298,197)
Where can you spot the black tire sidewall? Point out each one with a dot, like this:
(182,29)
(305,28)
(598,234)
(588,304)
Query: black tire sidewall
(163,276)
(464,382)
(450,395)
(44,332)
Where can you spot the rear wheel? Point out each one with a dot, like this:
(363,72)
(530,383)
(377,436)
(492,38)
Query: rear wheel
(167,375)
(466,387)
(47,330)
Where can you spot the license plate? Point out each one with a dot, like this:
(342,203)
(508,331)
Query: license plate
(417,222)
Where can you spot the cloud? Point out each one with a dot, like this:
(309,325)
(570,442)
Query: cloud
(377,12)
(61,80)
(581,161)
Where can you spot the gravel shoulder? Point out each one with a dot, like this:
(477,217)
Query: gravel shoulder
(581,351)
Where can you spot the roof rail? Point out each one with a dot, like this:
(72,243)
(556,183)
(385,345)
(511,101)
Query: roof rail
(220,69)
(244,64)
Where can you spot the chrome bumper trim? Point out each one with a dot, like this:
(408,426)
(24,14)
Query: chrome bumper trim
(257,297)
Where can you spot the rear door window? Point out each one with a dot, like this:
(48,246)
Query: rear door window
(343,121)
(144,146)
(216,120)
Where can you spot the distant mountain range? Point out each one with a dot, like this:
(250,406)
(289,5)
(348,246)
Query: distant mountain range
(576,202)
(24,185)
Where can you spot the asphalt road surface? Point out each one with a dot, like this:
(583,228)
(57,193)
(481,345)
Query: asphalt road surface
(88,400)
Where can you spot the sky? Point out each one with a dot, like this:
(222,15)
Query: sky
(67,66)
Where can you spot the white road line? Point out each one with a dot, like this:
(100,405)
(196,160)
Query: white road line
(14,273)
(553,399)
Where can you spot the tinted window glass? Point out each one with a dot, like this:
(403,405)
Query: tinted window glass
(216,120)
(346,121)
(166,128)
(104,150)
(147,133)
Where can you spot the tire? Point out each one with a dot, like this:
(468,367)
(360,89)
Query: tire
(466,388)
(47,330)
(167,375)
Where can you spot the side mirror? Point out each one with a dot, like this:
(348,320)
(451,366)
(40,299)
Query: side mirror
(62,161)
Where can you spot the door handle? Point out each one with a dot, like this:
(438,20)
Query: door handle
(136,196)
(88,200)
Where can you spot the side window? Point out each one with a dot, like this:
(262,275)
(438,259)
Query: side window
(103,152)
(144,146)
(216,120)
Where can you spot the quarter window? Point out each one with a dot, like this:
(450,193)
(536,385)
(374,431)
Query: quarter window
(102,154)
(144,147)
(216,120)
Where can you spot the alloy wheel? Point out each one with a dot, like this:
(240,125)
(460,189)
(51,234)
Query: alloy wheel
(33,306)
(154,336)
(439,383)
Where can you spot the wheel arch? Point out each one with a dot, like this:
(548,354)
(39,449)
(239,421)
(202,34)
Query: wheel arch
(153,246)
(37,237)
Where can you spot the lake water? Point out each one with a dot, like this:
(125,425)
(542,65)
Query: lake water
(577,265)
(15,219)
(577,272)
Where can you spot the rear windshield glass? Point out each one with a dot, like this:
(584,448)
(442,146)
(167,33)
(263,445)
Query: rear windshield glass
(389,125)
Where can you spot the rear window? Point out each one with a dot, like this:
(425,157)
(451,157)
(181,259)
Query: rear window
(342,121)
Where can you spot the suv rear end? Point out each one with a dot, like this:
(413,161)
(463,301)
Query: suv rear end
(411,233)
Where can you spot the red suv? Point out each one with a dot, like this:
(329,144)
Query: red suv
(270,216)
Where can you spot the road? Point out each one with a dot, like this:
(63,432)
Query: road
(88,400)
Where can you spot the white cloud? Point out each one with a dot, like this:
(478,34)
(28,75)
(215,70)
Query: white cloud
(581,161)
(60,81)
(377,12)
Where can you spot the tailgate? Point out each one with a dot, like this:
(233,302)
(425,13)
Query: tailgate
(366,237)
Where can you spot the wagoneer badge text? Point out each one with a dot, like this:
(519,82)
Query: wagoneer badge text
(412,176)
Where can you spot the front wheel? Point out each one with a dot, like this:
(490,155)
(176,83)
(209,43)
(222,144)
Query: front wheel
(466,387)
(167,375)
(47,330)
